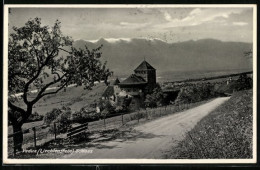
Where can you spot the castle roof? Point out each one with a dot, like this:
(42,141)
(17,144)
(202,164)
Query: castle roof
(133,80)
(144,66)
(116,82)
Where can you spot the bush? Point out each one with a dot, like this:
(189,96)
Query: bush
(195,93)
(106,104)
(85,115)
(156,98)
(119,109)
(243,83)
(64,121)
(35,117)
(52,115)
(62,118)
(123,103)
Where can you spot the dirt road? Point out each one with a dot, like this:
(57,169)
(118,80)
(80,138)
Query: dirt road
(152,139)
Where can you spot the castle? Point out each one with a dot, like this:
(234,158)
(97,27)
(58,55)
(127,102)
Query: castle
(136,85)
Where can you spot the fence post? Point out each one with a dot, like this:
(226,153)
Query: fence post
(138,116)
(104,118)
(34,136)
(55,130)
(14,150)
(122,117)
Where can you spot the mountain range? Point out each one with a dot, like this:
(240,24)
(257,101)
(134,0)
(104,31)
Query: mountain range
(124,55)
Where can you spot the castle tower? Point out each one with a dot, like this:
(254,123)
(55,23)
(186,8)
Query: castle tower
(147,72)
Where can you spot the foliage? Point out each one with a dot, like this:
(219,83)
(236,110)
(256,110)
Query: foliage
(63,120)
(126,103)
(156,98)
(106,106)
(35,117)
(195,93)
(242,83)
(52,115)
(84,115)
(40,57)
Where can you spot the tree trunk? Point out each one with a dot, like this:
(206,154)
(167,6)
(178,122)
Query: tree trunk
(17,122)
(18,137)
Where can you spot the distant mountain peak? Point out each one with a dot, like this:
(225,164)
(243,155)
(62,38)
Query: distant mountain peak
(110,40)
(122,54)
(127,40)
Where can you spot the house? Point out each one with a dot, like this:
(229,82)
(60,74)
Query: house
(139,84)
(142,81)
(112,91)
(136,86)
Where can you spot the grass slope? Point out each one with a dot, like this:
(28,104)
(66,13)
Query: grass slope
(74,97)
(225,133)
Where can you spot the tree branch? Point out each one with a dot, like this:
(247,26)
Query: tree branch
(39,96)
(45,94)
(15,108)
(65,50)
(26,87)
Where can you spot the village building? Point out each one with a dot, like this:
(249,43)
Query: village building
(112,91)
(137,85)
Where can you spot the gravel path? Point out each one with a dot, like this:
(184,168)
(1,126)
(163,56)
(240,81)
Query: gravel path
(152,139)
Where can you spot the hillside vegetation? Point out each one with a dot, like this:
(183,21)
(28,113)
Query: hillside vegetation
(74,97)
(224,133)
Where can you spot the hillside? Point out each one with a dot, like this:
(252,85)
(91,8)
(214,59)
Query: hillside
(226,133)
(206,54)
(74,97)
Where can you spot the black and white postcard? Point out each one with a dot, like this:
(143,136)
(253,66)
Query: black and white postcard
(88,84)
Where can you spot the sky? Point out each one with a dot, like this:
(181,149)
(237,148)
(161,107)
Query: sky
(168,24)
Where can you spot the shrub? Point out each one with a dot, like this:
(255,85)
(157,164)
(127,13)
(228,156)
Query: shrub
(156,98)
(35,117)
(243,83)
(195,93)
(124,103)
(106,104)
(84,115)
(119,109)
(63,120)
(52,115)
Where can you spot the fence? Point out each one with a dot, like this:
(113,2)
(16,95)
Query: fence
(38,135)
(34,136)
(139,116)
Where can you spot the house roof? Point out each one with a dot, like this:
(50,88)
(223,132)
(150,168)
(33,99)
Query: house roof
(145,66)
(133,80)
(116,82)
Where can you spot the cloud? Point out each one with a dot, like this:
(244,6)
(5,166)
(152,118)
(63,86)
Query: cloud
(240,23)
(167,16)
(196,11)
(171,24)
(133,25)
(199,16)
